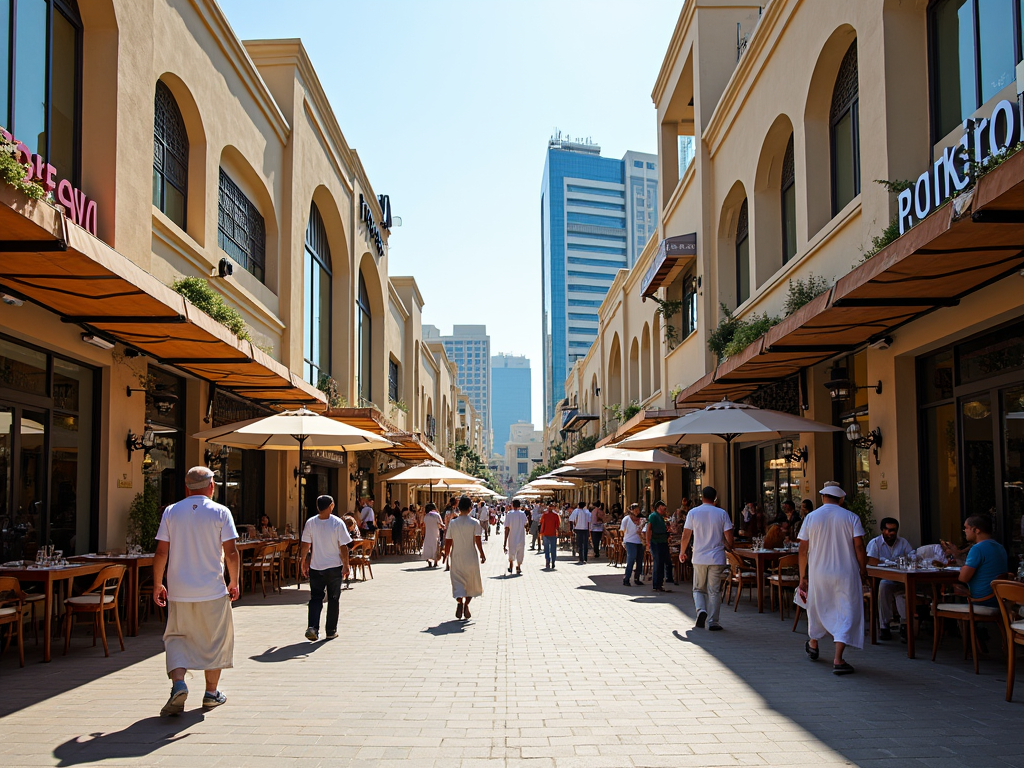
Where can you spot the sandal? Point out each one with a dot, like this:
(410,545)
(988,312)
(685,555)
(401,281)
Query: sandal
(467,614)
(842,669)
(812,653)
(458,611)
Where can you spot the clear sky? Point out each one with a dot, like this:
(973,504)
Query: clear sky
(450,106)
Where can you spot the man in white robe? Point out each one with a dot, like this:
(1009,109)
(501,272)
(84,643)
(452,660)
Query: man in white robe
(515,536)
(432,527)
(833,567)
(461,536)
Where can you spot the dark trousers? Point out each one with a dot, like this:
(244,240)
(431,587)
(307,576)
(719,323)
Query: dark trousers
(595,539)
(660,556)
(582,544)
(328,581)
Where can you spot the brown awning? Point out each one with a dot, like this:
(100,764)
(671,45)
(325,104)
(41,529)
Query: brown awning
(640,422)
(408,446)
(54,263)
(674,255)
(957,250)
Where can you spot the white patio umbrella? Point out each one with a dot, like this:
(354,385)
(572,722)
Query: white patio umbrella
(614,457)
(553,484)
(295,430)
(724,422)
(431,473)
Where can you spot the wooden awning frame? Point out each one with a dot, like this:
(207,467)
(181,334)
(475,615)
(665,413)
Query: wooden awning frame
(642,421)
(964,246)
(408,446)
(48,260)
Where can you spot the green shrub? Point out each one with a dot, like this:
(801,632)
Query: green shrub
(332,390)
(749,331)
(198,293)
(622,415)
(144,518)
(719,338)
(12,172)
(860,504)
(802,292)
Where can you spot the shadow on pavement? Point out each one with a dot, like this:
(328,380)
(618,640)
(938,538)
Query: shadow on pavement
(137,740)
(453,627)
(300,650)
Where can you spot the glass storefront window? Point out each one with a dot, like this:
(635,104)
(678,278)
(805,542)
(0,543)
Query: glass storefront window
(22,369)
(976,45)
(939,455)
(979,456)
(163,464)
(990,355)
(39,78)
(1013,468)
(780,479)
(936,377)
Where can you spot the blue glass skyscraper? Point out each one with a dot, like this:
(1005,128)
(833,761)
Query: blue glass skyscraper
(510,396)
(597,214)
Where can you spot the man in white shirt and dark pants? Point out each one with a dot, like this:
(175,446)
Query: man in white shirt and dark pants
(366,517)
(580,520)
(891,594)
(326,568)
(711,530)
(196,538)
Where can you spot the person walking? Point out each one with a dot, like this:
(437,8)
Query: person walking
(631,527)
(657,542)
(833,568)
(195,539)
(515,537)
(461,535)
(535,516)
(327,566)
(550,522)
(433,526)
(580,521)
(710,527)
(597,521)
(450,513)
(483,516)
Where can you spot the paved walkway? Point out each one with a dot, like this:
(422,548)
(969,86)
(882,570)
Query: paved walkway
(556,670)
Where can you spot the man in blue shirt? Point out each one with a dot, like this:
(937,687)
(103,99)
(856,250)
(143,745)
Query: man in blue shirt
(985,562)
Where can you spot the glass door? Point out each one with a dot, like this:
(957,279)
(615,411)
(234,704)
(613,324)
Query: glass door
(10,535)
(1013,469)
(979,466)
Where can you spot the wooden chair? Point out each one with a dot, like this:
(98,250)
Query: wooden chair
(739,577)
(784,577)
(264,566)
(359,557)
(98,599)
(12,613)
(1010,596)
(967,615)
(146,603)
(292,564)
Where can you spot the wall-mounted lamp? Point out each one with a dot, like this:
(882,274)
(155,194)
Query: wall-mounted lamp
(873,439)
(307,469)
(224,268)
(840,388)
(699,467)
(97,341)
(136,443)
(799,454)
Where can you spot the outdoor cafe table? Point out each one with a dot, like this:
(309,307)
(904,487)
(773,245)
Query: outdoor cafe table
(761,558)
(49,576)
(132,563)
(249,546)
(910,579)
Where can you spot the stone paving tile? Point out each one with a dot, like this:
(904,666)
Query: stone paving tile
(556,670)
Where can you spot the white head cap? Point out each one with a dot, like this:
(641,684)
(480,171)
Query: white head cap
(832,489)
(198,478)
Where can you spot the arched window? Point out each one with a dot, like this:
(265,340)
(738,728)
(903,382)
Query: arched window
(316,331)
(365,344)
(788,204)
(742,256)
(844,132)
(170,156)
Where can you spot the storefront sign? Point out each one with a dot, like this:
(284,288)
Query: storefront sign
(669,251)
(333,458)
(80,208)
(372,231)
(982,139)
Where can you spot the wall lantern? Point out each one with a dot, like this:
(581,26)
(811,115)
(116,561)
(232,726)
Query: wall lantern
(873,439)
(135,443)
(798,455)
(840,388)
(307,469)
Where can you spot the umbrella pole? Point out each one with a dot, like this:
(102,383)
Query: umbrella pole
(298,494)
(728,474)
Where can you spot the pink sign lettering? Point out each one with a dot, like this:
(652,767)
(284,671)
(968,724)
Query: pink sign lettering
(80,208)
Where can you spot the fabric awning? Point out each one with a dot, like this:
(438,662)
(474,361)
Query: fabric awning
(573,420)
(673,256)
(52,262)
(408,446)
(962,247)
(640,422)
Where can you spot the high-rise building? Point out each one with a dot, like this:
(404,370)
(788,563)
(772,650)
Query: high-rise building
(523,451)
(469,347)
(510,395)
(597,213)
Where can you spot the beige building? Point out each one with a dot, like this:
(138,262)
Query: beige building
(179,151)
(914,347)
(523,451)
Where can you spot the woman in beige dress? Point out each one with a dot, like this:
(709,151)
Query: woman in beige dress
(461,537)
(432,526)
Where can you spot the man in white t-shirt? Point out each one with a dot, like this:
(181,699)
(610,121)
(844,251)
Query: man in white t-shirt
(483,516)
(580,520)
(326,568)
(711,530)
(195,539)
(366,516)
